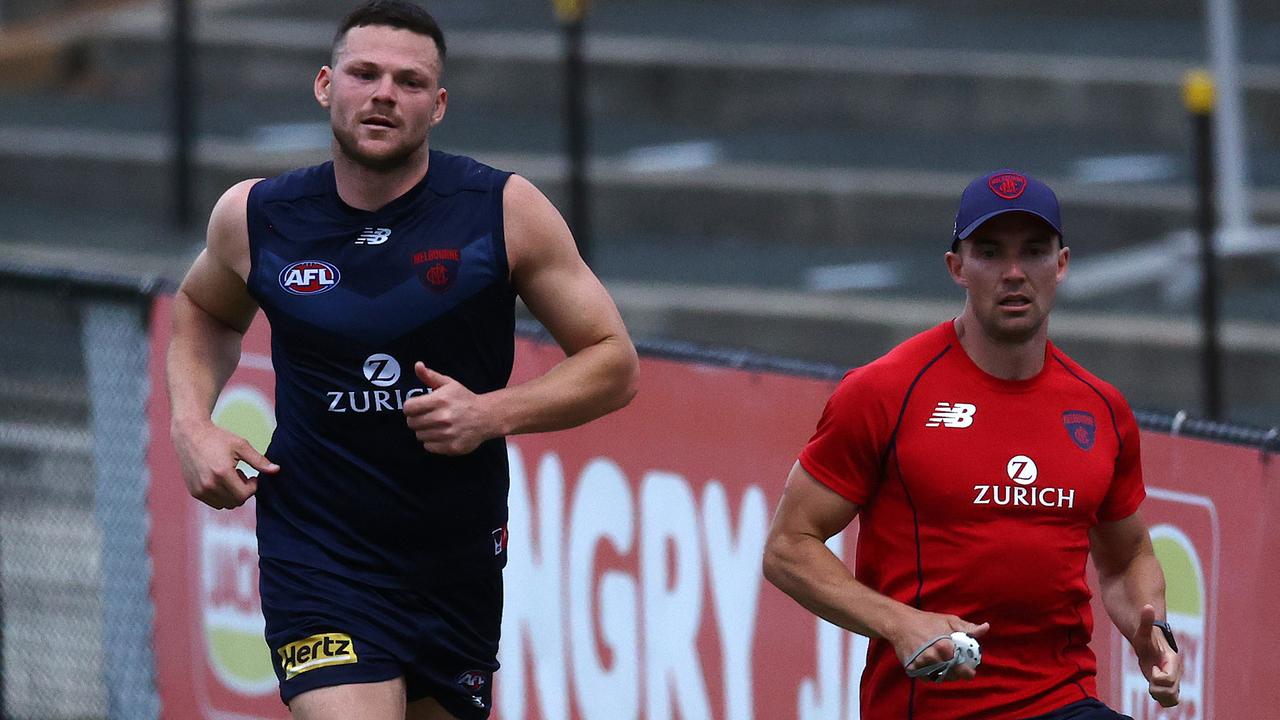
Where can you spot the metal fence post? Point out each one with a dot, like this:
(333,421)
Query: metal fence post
(1198,94)
(183,114)
(573,16)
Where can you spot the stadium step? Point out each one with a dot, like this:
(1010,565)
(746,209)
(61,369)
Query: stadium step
(714,137)
(746,201)
(712,84)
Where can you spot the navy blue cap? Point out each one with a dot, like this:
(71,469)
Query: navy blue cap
(1005,191)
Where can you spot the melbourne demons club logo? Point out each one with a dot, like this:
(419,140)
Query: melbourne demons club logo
(309,277)
(1008,185)
(1081,428)
(437,268)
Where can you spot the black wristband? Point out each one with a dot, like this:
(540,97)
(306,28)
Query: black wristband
(1168,633)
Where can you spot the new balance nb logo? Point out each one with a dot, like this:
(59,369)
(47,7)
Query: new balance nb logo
(374,236)
(959,415)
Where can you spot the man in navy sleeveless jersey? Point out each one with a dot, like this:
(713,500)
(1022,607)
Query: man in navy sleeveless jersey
(389,277)
(986,466)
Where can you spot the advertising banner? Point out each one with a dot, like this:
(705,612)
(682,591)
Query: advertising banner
(1214,513)
(634,586)
(212,660)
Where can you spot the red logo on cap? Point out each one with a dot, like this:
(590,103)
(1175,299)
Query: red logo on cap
(1008,185)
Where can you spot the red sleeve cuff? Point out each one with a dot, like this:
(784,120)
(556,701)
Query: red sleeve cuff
(837,484)
(1124,510)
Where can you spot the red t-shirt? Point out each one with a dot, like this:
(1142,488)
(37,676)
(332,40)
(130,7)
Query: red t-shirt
(977,495)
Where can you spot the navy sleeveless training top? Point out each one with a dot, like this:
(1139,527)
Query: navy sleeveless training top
(354,298)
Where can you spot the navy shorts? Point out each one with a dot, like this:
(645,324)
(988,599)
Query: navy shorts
(1089,709)
(325,629)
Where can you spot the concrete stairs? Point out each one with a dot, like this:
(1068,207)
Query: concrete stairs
(706,138)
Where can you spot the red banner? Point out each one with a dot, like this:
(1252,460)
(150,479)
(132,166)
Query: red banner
(634,587)
(212,661)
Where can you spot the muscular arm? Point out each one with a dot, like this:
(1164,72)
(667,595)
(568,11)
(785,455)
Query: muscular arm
(799,563)
(1132,585)
(599,372)
(1128,571)
(211,311)
(205,345)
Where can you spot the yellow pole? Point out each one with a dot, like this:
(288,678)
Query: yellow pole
(571,11)
(1197,91)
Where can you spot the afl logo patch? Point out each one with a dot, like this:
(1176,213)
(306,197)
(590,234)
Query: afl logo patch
(309,277)
(471,681)
(1008,185)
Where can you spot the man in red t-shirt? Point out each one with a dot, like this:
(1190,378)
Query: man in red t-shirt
(985,466)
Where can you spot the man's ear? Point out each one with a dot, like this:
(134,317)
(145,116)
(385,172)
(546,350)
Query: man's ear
(442,104)
(955,266)
(324,80)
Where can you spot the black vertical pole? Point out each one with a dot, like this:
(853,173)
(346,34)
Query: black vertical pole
(183,125)
(1199,100)
(575,109)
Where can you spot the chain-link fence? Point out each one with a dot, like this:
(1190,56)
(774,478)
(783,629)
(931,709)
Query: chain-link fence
(75,614)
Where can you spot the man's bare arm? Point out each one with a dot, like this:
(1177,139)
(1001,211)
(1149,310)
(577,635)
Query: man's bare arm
(800,564)
(600,370)
(211,312)
(1132,584)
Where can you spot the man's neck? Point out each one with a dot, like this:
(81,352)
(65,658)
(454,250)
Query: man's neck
(999,358)
(366,189)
